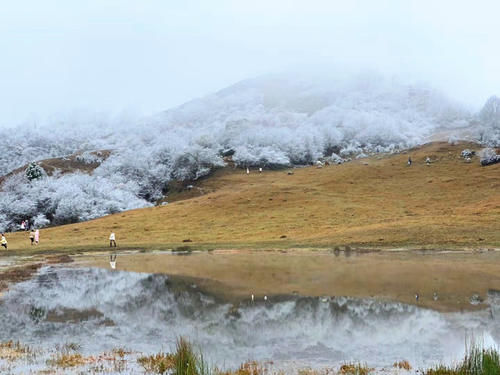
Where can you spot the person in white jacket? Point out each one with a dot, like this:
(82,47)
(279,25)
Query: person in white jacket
(112,241)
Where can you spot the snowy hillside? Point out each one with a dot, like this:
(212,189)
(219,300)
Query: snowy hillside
(268,122)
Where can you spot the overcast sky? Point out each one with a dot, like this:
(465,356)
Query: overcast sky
(146,56)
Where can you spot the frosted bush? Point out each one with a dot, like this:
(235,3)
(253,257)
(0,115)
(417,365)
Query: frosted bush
(88,158)
(40,221)
(488,156)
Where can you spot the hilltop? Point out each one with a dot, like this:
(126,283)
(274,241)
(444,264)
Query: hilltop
(375,201)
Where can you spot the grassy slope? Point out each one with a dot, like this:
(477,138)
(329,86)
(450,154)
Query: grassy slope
(378,201)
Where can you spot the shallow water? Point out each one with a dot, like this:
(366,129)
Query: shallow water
(102,309)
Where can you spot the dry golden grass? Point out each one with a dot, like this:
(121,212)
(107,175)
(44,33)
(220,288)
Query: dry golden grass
(157,363)
(12,351)
(66,360)
(355,369)
(309,371)
(402,365)
(257,368)
(378,201)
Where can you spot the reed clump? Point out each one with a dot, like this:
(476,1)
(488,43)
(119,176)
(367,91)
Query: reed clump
(66,360)
(158,363)
(477,361)
(247,368)
(184,361)
(355,369)
(12,350)
(402,365)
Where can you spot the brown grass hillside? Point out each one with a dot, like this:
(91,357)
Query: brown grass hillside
(63,165)
(378,201)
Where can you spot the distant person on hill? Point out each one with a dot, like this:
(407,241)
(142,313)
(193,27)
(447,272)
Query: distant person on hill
(112,241)
(23,225)
(32,237)
(4,241)
(409,160)
(37,236)
(428,160)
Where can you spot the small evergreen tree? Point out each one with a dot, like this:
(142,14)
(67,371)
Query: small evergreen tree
(34,171)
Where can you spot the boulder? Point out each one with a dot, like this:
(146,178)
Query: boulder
(489,156)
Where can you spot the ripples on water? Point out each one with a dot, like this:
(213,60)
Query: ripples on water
(102,310)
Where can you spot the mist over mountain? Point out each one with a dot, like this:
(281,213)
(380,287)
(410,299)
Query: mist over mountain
(270,121)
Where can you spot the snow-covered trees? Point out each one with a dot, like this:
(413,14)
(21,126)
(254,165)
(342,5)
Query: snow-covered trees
(268,122)
(490,113)
(66,199)
(489,117)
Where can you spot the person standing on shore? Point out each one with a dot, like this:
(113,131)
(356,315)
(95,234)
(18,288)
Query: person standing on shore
(3,241)
(112,240)
(37,236)
(32,237)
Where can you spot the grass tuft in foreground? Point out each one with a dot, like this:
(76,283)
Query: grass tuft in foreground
(11,350)
(402,365)
(477,361)
(247,368)
(66,360)
(157,363)
(185,361)
(355,369)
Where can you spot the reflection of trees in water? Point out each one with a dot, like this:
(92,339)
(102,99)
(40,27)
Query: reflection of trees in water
(37,314)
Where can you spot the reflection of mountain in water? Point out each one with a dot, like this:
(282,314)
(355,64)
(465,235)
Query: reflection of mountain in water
(102,309)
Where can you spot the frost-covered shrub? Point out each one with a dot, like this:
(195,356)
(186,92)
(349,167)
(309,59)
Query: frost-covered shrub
(335,159)
(488,156)
(490,113)
(195,162)
(467,153)
(489,116)
(88,158)
(453,139)
(40,221)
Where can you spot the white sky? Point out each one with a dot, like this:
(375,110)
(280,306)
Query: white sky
(147,56)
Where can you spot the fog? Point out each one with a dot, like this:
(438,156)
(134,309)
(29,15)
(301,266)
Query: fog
(120,58)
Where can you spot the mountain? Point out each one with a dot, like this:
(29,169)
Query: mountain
(269,121)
